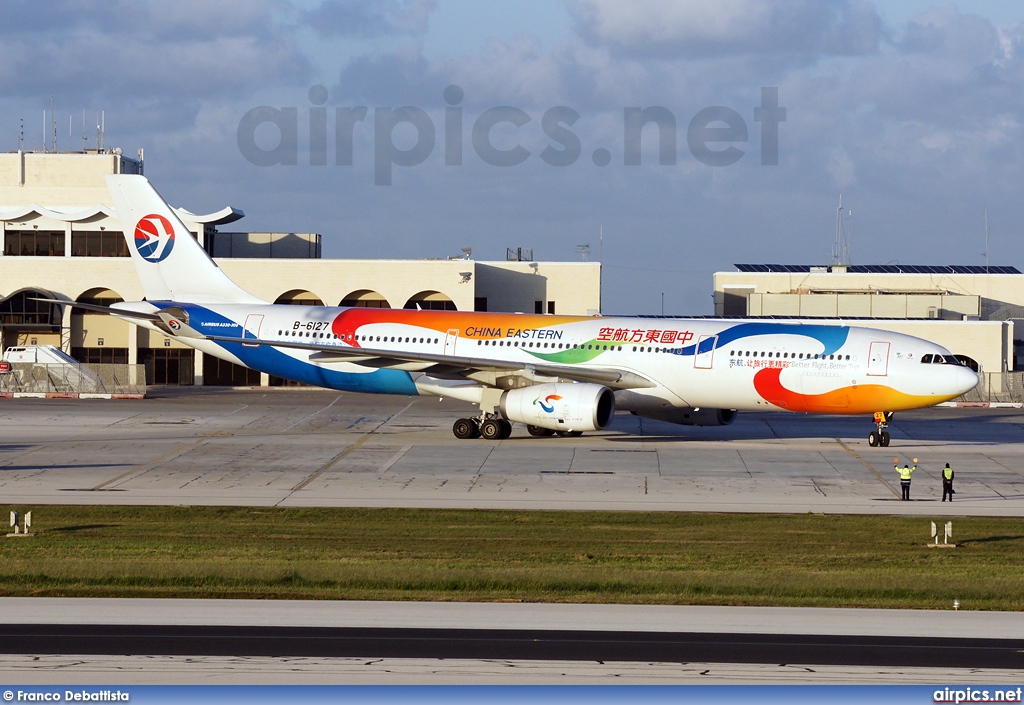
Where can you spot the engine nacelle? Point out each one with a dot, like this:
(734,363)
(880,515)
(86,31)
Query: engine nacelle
(692,417)
(560,407)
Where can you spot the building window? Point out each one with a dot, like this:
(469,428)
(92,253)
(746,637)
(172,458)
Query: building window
(34,243)
(480,303)
(551,307)
(430,301)
(101,356)
(538,307)
(23,310)
(219,372)
(102,243)
(168,366)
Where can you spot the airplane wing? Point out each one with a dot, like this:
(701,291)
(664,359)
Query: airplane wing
(451,364)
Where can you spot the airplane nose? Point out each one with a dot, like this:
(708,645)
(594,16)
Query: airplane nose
(966,379)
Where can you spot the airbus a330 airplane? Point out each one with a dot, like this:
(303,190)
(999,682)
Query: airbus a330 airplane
(556,374)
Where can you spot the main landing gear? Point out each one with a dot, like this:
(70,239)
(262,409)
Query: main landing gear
(880,437)
(493,428)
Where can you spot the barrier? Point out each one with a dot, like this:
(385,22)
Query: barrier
(80,380)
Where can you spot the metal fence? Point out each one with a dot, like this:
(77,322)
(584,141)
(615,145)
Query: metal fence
(996,387)
(74,379)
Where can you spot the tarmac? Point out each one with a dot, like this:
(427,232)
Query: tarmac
(308,447)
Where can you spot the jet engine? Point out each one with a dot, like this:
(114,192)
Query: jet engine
(692,417)
(560,407)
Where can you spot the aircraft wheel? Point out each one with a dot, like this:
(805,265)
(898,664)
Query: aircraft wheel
(884,440)
(465,428)
(506,429)
(570,434)
(539,432)
(873,439)
(492,429)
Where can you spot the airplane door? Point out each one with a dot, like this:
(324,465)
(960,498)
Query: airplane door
(878,359)
(253,323)
(449,341)
(705,351)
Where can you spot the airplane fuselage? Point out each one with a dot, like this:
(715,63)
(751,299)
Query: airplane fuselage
(717,363)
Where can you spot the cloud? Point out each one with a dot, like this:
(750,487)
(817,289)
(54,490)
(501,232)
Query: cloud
(840,168)
(356,18)
(693,28)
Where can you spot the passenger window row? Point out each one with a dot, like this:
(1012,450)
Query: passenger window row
(361,338)
(788,355)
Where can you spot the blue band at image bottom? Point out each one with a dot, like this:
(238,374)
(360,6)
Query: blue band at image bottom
(535,695)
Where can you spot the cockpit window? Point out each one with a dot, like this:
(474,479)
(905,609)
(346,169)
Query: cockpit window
(939,360)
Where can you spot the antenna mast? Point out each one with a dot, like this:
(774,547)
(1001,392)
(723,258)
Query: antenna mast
(986,240)
(53,125)
(841,247)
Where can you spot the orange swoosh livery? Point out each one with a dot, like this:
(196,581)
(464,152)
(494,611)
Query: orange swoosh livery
(861,399)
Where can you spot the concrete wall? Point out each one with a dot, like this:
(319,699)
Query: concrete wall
(1003,288)
(574,287)
(58,179)
(949,307)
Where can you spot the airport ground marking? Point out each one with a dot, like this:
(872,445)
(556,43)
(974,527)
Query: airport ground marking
(337,458)
(315,413)
(142,469)
(394,459)
(863,462)
(479,470)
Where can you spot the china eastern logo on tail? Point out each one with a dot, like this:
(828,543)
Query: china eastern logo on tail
(546,404)
(154,238)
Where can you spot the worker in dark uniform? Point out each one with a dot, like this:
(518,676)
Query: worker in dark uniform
(905,473)
(947,483)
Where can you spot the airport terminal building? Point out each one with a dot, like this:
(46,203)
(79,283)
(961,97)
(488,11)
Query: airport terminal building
(61,239)
(969,309)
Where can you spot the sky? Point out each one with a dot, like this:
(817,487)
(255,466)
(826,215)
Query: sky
(416,128)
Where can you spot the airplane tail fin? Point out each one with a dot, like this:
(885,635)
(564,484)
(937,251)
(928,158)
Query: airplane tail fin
(170,262)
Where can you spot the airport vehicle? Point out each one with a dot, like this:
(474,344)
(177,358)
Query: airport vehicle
(556,374)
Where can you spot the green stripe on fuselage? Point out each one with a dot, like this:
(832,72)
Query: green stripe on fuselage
(574,356)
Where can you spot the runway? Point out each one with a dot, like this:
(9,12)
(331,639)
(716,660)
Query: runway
(312,641)
(518,644)
(306,447)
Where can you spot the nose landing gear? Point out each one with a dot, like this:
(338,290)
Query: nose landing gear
(880,437)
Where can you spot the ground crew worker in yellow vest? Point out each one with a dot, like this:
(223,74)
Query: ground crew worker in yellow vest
(947,483)
(905,473)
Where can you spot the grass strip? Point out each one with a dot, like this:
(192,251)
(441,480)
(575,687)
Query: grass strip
(530,556)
